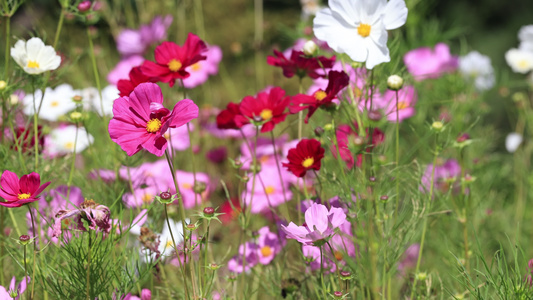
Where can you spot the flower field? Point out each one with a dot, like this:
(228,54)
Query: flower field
(340,149)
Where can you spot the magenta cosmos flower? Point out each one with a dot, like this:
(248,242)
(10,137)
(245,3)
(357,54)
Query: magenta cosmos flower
(425,62)
(140,120)
(319,225)
(19,192)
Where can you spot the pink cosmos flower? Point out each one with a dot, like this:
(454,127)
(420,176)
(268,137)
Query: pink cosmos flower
(200,71)
(346,136)
(155,174)
(409,259)
(268,191)
(104,174)
(236,264)
(13,292)
(186,185)
(268,245)
(179,138)
(319,225)
(123,68)
(446,175)
(146,294)
(19,192)
(140,120)
(140,197)
(97,216)
(407,98)
(136,42)
(312,258)
(424,63)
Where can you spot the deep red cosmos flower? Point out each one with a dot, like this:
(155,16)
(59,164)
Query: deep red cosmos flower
(140,120)
(306,156)
(26,139)
(19,192)
(125,87)
(266,109)
(337,81)
(346,135)
(300,64)
(226,118)
(172,59)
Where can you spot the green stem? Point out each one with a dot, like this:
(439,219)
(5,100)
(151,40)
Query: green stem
(206,251)
(34,251)
(35,124)
(279,174)
(182,267)
(322,273)
(397,159)
(59,26)
(69,182)
(8,43)
(95,71)
(336,265)
(88,278)
(424,228)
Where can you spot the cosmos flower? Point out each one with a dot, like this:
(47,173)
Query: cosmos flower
(226,117)
(477,67)
(446,175)
(425,62)
(268,190)
(347,137)
(300,64)
(306,156)
(520,61)
(525,35)
(62,140)
(123,68)
(410,257)
(140,120)
(200,71)
(17,192)
(135,42)
(319,225)
(95,215)
(407,97)
(320,98)
(136,77)
(34,57)
(187,184)
(237,263)
(55,103)
(14,293)
(359,28)
(172,60)
(268,245)
(266,109)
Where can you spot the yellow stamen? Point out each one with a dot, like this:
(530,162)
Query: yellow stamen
(338,255)
(357,92)
(263,159)
(54,103)
(174,65)
(186,185)
(266,251)
(364,30)
(320,95)
(308,162)
(266,114)
(153,125)
(147,198)
(196,67)
(523,64)
(69,145)
(33,64)
(168,244)
(24,196)
(402,105)
(269,190)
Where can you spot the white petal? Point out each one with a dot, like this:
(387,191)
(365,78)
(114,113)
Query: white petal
(18,52)
(377,48)
(512,141)
(346,9)
(33,48)
(395,14)
(371,10)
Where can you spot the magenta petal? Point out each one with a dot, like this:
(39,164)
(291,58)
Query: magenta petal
(183,112)
(23,284)
(10,182)
(144,94)
(30,183)
(8,196)
(40,189)
(155,145)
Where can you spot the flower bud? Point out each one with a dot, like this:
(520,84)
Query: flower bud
(394,82)
(328,127)
(77,99)
(310,48)
(14,99)
(214,267)
(255,168)
(319,131)
(463,138)
(165,195)
(437,126)
(384,198)
(76,116)
(209,211)
(421,276)
(3,85)
(191,227)
(358,141)
(24,239)
(84,6)
(374,115)
(338,295)
(345,275)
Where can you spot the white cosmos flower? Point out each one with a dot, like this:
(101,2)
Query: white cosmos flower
(166,246)
(520,61)
(513,141)
(109,95)
(34,57)
(477,67)
(359,27)
(62,140)
(56,102)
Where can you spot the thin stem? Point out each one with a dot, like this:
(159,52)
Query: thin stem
(397,158)
(88,288)
(206,251)
(35,125)
(279,174)
(59,26)
(95,71)
(8,43)
(69,182)
(34,250)
(322,272)
(336,265)
(192,163)
(182,267)
(424,228)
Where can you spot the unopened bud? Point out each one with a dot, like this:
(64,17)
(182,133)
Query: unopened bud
(374,115)
(394,82)
(75,116)
(463,138)
(209,211)
(14,99)
(310,48)
(384,198)
(437,125)
(165,195)
(77,99)
(3,85)
(345,275)
(421,276)
(214,267)
(319,131)
(328,127)
(255,168)
(338,295)
(24,239)
(358,141)
(84,6)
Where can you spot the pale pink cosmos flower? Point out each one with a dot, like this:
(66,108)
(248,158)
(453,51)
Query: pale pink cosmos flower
(407,97)
(97,216)
(155,174)
(136,42)
(268,245)
(13,292)
(446,174)
(237,263)
(186,185)
(311,255)
(140,197)
(179,137)
(268,190)
(123,68)
(200,71)
(409,259)
(424,63)
(140,120)
(319,225)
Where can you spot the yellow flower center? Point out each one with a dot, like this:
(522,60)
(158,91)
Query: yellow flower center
(308,162)
(266,251)
(186,185)
(263,159)
(33,64)
(364,30)
(147,198)
(69,145)
(54,103)
(24,196)
(320,95)
(266,114)
(269,190)
(153,125)
(357,92)
(338,255)
(168,244)
(402,105)
(196,67)
(523,64)
(174,65)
